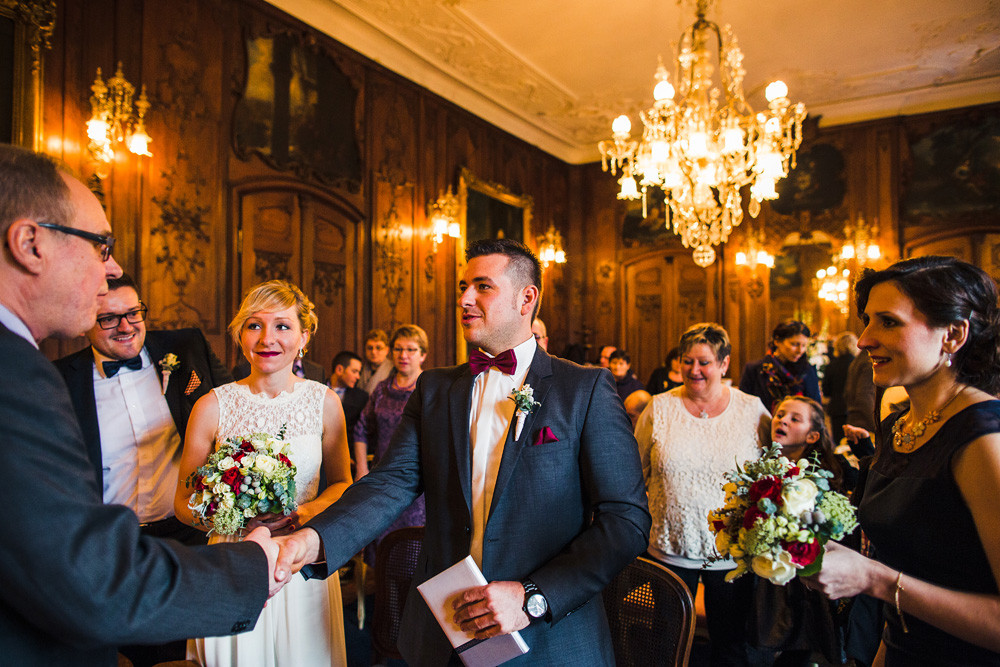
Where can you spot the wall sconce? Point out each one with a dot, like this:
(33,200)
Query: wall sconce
(443,216)
(113,120)
(861,243)
(550,247)
(752,258)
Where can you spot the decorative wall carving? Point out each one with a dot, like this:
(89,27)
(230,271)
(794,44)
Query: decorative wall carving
(328,281)
(390,243)
(272,266)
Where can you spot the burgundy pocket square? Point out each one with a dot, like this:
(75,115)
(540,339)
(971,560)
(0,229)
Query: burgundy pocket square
(545,436)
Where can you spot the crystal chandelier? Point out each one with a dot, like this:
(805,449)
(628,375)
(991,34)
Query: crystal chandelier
(706,143)
(860,248)
(113,120)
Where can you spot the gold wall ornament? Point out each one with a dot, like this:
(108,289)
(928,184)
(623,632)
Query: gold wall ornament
(33,23)
(702,142)
(550,247)
(115,120)
(443,216)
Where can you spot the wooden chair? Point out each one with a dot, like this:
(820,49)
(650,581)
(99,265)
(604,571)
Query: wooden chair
(395,563)
(651,614)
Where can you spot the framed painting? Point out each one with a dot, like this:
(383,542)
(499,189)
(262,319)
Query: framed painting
(25,32)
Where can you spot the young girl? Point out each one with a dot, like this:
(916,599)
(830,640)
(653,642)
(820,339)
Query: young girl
(792,619)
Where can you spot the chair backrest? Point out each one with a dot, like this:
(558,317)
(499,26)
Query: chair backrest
(651,614)
(395,563)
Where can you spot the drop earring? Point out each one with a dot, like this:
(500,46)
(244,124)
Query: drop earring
(300,355)
(947,361)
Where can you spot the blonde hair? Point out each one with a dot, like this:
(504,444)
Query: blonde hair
(272,296)
(410,332)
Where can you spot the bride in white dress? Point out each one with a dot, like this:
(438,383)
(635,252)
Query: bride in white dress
(303,624)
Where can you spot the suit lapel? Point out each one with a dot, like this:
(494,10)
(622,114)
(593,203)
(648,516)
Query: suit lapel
(460,398)
(80,383)
(156,347)
(540,378)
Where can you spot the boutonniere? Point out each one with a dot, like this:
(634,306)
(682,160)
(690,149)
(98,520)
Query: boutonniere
(168,365)
(524,403)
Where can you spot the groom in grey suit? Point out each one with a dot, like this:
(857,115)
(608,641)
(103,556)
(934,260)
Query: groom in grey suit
(78,577)
(549,500)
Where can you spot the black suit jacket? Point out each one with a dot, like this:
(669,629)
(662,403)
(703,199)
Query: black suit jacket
(199,369)
(354,402)
(78,578)
(568,514)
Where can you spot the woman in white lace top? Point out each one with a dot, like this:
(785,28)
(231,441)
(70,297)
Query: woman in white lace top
(688,437)
(303,623)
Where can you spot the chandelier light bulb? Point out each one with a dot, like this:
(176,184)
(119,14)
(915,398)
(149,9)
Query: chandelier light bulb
(621,125)
(97,129)
(629,188)
(741,258)
(775,90)
(821,274)
(698,144)
(663,91)
(874,252)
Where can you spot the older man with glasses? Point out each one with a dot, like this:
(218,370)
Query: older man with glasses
(79,577)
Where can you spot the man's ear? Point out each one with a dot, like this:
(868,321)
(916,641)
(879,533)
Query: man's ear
(22,243)
(529,297)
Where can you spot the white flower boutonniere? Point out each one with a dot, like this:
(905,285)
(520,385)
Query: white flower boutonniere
(524,403)
(168,365)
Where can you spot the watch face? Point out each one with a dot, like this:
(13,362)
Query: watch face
(536,605)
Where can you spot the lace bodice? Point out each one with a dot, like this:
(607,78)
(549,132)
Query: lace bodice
(684,459)
(300,411)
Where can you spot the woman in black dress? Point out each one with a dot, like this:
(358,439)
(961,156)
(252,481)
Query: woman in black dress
(929,508)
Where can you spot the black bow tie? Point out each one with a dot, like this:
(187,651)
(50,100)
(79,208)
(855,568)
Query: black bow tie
(111,368)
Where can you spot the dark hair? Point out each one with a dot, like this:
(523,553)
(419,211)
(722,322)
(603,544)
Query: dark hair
(343,358)
(32,186)
(947,291)
(674,352)
(790,328)
(711,334)
(824,445)
(522,264)
(125,281)
(620,354)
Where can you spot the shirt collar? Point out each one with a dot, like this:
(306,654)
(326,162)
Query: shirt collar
(16,325)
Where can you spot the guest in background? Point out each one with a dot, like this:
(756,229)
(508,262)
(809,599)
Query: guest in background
(133,413)
(604,358)
(845,348)
(635,404)
(343,381)
(667,376)
(688,438)
(793,619)
(620,365)
(929,505)
(384,411)
(784,370)
(540,333)
(861,396)
(377,365)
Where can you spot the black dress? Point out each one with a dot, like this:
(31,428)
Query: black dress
(917,521)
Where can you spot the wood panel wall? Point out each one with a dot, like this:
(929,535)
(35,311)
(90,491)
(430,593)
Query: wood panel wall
(181,216)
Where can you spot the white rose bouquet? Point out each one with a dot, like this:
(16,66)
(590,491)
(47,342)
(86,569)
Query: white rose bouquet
(244,477)
(777,517)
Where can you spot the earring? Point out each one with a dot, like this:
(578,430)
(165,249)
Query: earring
(300,355)
(947,362)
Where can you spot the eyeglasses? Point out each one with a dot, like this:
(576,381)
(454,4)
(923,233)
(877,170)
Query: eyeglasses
(113,320)
(104,243)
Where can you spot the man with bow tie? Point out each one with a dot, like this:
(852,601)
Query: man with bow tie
(526,461)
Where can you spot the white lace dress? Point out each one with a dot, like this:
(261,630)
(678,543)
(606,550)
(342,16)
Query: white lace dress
(301,626)
(683,460)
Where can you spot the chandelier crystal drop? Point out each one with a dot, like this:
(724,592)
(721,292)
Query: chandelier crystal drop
(702,142)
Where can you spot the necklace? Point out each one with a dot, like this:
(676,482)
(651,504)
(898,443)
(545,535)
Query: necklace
(711,406)
(904,436)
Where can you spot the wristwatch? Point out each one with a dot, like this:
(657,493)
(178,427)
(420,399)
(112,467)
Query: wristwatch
(535,604)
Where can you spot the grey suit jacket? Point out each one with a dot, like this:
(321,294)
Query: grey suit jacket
(78,578)
(568,514)
(198,371)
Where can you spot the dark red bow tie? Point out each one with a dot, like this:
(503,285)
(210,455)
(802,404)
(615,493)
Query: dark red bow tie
(505,362)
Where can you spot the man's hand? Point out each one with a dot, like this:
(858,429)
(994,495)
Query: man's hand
(262,537)
(296,551)
(494,609)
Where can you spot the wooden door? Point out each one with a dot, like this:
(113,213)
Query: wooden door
(298,234)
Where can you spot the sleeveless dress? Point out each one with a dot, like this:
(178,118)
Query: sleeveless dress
(302,625)
(914,515)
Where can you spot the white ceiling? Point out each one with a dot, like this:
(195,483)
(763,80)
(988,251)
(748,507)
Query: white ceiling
(556,72)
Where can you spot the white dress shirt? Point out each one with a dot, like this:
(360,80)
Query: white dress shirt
(140,445)
(15,325)
(492,413)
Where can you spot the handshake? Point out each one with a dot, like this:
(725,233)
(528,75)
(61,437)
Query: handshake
(286,554)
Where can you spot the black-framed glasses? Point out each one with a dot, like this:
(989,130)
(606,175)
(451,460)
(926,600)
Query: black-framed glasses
(104,243)
(112,320)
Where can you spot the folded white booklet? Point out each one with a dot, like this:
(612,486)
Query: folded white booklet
(440,591)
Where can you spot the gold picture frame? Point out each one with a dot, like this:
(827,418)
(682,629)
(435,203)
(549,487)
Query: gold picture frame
(32,22)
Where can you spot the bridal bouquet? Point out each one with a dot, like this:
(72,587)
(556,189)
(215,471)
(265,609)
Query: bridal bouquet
(244,477)
(777,517)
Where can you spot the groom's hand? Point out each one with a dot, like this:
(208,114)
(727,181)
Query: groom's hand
(262,536)
(296,551)
(494,609)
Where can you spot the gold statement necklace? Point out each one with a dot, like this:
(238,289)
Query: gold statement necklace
(904,436)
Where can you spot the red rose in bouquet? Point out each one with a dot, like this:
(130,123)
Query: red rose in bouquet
(766,487)
(802,553)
